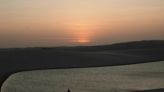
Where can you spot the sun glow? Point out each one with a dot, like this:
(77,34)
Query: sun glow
(83,41)
(82,37)
(82,34)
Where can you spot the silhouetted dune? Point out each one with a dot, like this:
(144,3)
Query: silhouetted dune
(153,90)
(147,44)
(16,60)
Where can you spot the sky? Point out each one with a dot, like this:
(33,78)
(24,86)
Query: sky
(40,23)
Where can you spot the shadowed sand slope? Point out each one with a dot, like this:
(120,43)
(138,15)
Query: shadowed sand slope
(126,78)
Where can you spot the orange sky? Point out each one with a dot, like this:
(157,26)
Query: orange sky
(30,23)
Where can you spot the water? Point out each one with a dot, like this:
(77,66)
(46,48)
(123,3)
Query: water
(103,79)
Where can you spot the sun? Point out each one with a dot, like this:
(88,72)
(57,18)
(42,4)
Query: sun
(82,37)
(83,41)
(82,32)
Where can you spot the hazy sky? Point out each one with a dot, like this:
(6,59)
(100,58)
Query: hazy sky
(25,23)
